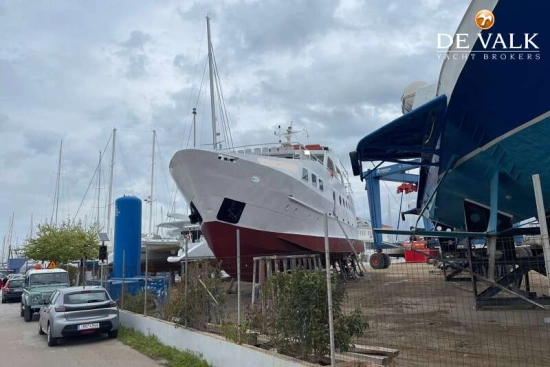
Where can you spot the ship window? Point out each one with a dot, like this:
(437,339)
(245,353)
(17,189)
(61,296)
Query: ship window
(330,165)
(314,180)
(305,175)
(339,197)
(321,185)
(334,196)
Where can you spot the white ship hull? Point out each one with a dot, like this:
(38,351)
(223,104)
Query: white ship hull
(266,199)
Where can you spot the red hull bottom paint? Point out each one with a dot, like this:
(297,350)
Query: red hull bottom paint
(222,239)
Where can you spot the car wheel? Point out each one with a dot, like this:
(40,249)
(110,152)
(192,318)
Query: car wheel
(40,331)
(113,334)
(51,340)
(28,314)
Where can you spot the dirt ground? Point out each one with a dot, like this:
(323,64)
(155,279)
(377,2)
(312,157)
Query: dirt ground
(410,307)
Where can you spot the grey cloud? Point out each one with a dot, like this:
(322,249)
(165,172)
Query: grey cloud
(181,63)
(137,40)
(137,67)
(103,113)
(268,26)
(42,142)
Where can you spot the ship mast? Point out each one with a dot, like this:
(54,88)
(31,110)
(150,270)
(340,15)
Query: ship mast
(152,182)
(57,186)
(212,92)
(111,174)
(98,186)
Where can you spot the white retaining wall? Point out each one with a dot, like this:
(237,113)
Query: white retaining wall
(216,350)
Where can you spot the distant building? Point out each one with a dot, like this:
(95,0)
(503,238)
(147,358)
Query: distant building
(365,234)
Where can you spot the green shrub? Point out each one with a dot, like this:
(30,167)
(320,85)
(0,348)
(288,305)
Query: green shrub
(198,308)
(230,331)
(135,302)
(295,314)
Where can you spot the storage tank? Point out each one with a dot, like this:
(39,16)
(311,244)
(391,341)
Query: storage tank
(127,237)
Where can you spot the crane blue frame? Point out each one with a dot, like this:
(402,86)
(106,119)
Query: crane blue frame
(393,173)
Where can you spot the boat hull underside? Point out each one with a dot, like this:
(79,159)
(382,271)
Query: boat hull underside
(495,95)
(222,239)
(517,158)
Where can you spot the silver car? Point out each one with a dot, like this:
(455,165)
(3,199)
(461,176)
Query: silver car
(75,311)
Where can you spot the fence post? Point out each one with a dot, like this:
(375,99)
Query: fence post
(542,223)
(101,269)
(186,276)
(146,279)
(239,285)
(123,278)
(329,295)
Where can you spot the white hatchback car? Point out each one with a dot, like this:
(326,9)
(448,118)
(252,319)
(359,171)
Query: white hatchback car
(75,311)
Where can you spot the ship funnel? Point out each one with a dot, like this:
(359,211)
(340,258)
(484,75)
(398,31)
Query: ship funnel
(407,99)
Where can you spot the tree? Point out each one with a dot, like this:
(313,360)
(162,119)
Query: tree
(64,243)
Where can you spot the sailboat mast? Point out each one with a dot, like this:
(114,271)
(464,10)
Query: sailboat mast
(111,175)
(98,186)
(32,227)
(57,184)
(10,236)
(194,127)
(212,92)
(152,181)
(58,180)
(3,247)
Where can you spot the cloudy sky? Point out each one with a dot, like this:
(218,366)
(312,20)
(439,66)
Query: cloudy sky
(72,71)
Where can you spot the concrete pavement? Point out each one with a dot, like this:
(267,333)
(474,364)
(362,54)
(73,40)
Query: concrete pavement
(22,346)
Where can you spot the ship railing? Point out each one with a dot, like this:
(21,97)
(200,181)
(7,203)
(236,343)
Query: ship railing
(292,150)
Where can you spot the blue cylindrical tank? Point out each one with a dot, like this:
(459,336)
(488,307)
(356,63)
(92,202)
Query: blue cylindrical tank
(127,237)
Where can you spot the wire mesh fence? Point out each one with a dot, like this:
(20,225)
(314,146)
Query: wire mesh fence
(448,305)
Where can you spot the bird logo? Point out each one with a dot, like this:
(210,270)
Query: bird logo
(484,19)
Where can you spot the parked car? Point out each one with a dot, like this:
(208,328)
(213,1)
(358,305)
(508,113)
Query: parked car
(38,286)
(78,311)
(12,290)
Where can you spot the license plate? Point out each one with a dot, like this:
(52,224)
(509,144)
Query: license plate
(95,325)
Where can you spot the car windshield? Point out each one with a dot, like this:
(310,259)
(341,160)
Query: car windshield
(48,278)
(85,296)
(15,283)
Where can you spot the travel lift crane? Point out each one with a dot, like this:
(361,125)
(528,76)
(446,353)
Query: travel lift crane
(393,173)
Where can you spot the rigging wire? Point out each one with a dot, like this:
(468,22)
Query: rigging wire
(197,101)
(174,188)
(193,85)
(92,179)
(223,107)
(161,159)
(121,150)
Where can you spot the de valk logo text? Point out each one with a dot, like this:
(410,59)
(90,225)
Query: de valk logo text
(493,46)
